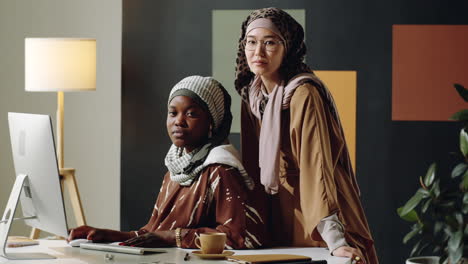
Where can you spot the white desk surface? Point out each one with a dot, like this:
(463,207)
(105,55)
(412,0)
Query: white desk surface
(68,255)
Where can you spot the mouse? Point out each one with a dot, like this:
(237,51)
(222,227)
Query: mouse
(79,241)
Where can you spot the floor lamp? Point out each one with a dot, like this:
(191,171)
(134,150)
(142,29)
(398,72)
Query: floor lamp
(61,65)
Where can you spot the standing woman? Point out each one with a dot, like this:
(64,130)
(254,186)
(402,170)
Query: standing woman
(292,137)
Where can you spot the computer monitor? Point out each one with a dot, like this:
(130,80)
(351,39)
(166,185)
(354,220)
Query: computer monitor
(37,183)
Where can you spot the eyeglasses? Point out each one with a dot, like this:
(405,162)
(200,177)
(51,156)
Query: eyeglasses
(270,45)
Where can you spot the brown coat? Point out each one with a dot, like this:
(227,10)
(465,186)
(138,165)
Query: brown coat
(313,182)
(218,201)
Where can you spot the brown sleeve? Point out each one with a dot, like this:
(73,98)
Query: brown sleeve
(311,146)
(154,214)
(234,215)
(259,199)
(325,186)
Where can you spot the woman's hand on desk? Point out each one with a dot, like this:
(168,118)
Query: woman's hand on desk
(349,252)
(88,232)
(97,234)
(152,239)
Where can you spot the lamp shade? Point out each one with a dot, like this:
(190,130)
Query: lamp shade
(60,64)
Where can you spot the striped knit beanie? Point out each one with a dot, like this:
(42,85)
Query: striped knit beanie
(207,92)
(211,95)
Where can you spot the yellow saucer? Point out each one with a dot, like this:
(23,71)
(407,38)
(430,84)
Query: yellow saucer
(223,255)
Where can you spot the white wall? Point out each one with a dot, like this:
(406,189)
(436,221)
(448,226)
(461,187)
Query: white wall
(92,119)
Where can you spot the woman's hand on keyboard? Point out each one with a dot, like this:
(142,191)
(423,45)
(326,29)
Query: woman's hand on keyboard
(87,232)
(97,234)
(152,240)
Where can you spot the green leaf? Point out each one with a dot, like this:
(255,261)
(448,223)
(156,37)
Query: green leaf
(426,205)
(465,182)
(438,227)
(421,248)
(459,170)
(411,204)
(461,115)
(436,189)
(455,240)
(430,175)
(415,248)
(461,91)
(444,259)
(459,218)
(465,205)
(464,142)
(455,254)
(424,193)
(411,216)
(445,235)
(410,235)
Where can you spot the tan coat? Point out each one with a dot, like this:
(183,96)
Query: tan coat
(313,182)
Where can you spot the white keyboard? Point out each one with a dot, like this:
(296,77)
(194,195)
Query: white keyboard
(121,249)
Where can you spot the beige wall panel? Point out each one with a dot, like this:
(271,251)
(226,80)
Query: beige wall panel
(92,119)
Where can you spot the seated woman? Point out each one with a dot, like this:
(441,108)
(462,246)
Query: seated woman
(206,188)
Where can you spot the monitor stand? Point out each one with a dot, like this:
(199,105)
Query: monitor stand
(7,220)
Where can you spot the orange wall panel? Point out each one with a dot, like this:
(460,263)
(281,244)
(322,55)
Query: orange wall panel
(427,61)
(342,85)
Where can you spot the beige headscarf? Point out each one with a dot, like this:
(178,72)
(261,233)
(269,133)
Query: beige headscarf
(270,140)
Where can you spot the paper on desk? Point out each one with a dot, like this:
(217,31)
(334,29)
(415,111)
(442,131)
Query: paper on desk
(20,241)
(269,258)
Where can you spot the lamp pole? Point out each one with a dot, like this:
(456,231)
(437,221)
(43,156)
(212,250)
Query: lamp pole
(60,129)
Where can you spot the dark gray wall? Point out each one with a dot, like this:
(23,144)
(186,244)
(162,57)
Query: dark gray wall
(166,41)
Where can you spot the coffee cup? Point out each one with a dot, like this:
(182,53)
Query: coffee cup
(211,243)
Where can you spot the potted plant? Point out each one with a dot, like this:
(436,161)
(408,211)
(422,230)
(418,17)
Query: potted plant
(438,209)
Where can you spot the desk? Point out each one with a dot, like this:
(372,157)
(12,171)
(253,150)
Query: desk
(68,255)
